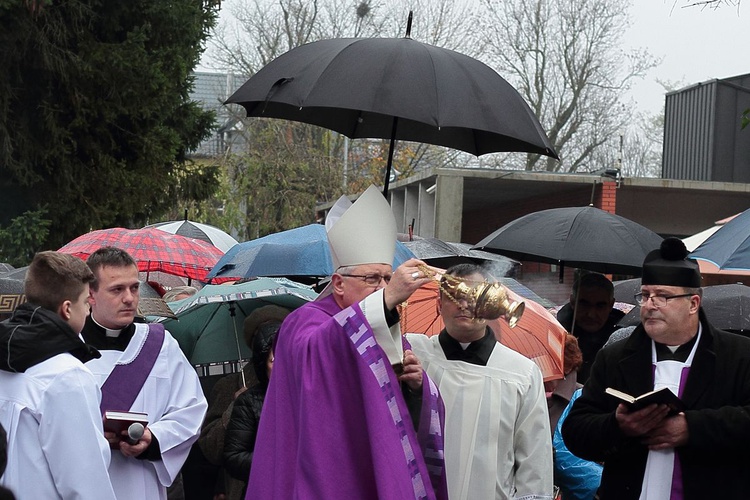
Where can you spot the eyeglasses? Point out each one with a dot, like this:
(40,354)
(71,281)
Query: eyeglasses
(658,300)
(371,279)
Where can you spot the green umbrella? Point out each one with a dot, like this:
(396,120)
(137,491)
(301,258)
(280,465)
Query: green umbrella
(209,324)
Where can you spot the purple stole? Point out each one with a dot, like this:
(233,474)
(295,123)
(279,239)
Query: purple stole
(429,437)
(677,485)
(126,380)
(677,473)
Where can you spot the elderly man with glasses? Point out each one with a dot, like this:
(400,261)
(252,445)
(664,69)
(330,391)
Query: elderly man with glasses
(655,453)
(349,412)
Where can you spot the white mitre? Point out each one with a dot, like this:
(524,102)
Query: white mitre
(363,232)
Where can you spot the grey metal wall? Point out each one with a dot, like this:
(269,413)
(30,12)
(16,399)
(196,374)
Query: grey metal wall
(702,136)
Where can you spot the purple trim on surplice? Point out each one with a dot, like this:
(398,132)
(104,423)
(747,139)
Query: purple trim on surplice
(677,493)
(366,345)
(126,380)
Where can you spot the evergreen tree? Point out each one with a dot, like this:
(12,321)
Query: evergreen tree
(95,118)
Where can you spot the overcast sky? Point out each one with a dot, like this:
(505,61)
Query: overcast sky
(696,45)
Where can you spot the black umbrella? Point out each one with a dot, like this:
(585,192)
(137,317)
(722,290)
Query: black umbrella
(726,307)
(444,254)
(395,88)
(16,274)
(583,237)
(625,290)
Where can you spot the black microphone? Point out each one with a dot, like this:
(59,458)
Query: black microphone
(135,432)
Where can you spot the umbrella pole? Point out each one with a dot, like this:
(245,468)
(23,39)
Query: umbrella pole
(575,308)
(237,341)
(390,158)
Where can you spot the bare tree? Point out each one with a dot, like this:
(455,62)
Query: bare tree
(565,58)
(278,151)
(710,4)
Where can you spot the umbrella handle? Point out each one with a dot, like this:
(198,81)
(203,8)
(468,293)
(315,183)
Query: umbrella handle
(237,341)
(389,166)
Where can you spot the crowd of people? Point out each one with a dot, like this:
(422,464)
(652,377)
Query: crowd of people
(337,402)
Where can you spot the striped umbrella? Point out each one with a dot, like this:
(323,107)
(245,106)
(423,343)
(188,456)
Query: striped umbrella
(210,234)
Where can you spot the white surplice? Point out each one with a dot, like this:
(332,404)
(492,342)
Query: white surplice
(175,404)
(387,337)
(657,479)
(497,437)
(56,445)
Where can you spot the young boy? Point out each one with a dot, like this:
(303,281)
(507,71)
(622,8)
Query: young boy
(49,401)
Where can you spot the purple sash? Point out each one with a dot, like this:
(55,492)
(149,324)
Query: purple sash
(126,380)
(429,436)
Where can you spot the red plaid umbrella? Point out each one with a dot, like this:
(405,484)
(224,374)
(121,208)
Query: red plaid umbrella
(154,250)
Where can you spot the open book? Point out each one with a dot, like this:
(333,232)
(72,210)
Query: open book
(663,396)
(119,421)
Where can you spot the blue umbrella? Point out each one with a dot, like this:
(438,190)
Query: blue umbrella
(299,252)
(208,324)
(729,247)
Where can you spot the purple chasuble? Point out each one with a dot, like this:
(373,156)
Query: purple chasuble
(334,422)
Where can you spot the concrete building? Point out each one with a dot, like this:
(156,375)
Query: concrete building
(468,204)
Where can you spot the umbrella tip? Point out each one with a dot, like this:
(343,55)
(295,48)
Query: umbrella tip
(408,24)
(186,211)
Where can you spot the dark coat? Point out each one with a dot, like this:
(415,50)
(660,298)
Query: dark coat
(33,335)
(588,342)
(715,461)
(239,440)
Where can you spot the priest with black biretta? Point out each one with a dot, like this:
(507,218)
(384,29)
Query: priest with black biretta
(656,452)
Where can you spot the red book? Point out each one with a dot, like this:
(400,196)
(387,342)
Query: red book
(119,421)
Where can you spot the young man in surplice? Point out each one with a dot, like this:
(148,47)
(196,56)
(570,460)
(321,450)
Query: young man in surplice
(142,369)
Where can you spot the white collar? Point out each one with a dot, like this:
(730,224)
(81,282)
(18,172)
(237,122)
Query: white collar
(107,331)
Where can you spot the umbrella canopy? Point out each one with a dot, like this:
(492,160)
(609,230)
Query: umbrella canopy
(5,267)
(11,294)
(694,241)
(726,307)
(196,230)
(729,247)
(151,303)
(625,290)
(445,254)
(153,250)
(299,252)
(537,335)
(583,237)
(395,88)
(209,325)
